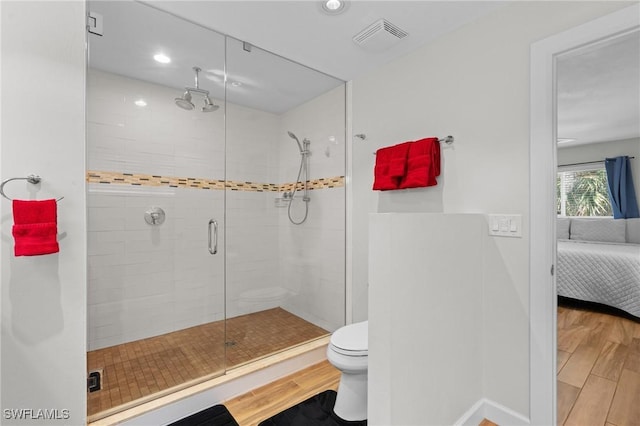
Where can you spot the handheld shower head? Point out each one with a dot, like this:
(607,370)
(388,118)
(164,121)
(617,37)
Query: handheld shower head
(292,136)
(304,166)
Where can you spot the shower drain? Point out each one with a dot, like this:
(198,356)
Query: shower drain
(229,343)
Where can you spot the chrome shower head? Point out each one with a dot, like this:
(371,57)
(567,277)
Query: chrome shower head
(292,136)
(184,102)
(208,105)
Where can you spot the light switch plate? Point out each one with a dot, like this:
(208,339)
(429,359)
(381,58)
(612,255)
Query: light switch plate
(505,225)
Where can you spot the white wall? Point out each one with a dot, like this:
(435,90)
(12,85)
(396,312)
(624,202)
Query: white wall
(322,121)
(144,280)
(251,218)
(472,84)
(425,330)
(43,130)
(312,260)
(600,151)
(158,138)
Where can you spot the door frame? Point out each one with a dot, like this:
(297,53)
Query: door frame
(542,174)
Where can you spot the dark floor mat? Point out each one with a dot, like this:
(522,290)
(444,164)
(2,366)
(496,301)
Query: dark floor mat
(315,411)
(218,415)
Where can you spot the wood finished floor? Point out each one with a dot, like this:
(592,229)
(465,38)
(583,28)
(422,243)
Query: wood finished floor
(251,408)
(598,369)
(143,368)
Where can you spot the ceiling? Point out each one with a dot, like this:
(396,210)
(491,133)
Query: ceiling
(297,30)
(599,92)
(134,32)
(301,31)
(598,86)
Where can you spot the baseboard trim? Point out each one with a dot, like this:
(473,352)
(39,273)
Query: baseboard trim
(490,410)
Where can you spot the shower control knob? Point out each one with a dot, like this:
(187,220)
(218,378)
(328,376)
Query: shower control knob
(154,216)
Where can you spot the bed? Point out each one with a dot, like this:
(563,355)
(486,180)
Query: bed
(604,272)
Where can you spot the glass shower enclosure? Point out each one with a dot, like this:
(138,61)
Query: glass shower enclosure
(205,252)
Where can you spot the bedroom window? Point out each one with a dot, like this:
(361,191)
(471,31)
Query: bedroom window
(583,193)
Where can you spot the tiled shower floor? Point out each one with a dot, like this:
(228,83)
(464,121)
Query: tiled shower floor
(142,368)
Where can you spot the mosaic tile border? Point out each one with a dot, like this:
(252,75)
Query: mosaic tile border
(139,179)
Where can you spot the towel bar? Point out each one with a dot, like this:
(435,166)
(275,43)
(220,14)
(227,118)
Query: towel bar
(448,140)
(33,179)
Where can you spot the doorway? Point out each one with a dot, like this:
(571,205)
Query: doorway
(598,105)
(543,164)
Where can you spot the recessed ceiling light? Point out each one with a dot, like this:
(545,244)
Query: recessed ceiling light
(333,7)
(162,58)
(140,103)
(236,83)
(333,4)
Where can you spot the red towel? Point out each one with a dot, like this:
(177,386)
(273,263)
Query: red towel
(398,164)
(423,164)
(35,227)
(391,165)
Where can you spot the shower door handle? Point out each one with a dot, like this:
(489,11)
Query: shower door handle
(213,248)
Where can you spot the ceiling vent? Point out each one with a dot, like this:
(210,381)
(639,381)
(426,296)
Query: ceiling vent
(379,36)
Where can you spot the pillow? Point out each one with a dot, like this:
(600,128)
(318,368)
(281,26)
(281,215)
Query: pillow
(633,231)
(562,228)
(603,230)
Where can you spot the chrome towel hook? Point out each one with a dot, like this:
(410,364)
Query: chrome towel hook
(32,179)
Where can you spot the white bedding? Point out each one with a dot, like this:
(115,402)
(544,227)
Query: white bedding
(606,273)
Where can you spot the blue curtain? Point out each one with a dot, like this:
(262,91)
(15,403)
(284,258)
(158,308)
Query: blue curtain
(621,190)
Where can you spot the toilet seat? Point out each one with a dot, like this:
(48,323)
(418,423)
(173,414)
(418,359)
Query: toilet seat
(351,340)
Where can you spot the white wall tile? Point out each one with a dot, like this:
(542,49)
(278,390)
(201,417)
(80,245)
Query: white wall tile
(146,280)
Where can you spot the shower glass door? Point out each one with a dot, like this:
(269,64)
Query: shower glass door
(285,201)
(156,205)
(216,205)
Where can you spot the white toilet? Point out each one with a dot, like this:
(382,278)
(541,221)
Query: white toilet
(349,353)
